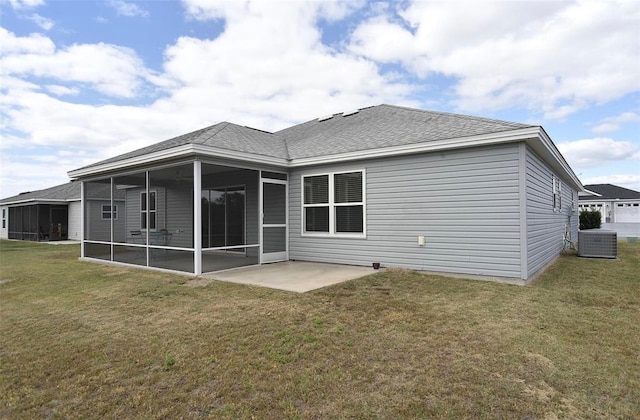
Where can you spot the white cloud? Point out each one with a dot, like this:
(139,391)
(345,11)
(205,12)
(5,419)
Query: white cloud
(41,21)
(22,176)
(109,69)
(550,57)
(598,151)
(34,43)
(25,4)
(286,76)
(234,9)
(62,90)
(614,123)
(631,181)
(128,9)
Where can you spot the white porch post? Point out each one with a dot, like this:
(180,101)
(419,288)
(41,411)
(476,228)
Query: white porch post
(260,217)
(197,218)
(83,203)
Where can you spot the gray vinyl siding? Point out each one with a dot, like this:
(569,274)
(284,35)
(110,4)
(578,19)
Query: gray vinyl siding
(466,204)
(75,217)
(545,226)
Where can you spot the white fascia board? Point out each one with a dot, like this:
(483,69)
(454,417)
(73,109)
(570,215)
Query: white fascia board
(136,160)
(432,146)
(37,201)
(176,152)
(555,155)
(588,193)
(242,156)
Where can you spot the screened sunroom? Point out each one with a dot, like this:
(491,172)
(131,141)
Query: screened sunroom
(190,216)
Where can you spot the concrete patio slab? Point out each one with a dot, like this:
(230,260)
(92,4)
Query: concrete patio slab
(293,276)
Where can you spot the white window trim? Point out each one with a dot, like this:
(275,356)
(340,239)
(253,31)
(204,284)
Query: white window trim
(559,195)
(103,211)
(149,211)
(556,193)
(332,207)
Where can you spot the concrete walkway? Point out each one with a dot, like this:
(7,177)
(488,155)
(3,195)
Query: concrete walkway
(624,230)
(293,276)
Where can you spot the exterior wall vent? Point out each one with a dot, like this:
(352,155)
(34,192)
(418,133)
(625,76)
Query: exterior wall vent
(597,244)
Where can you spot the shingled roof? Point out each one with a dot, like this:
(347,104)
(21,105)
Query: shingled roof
(224,135)
(383,126)
(370,128)
(65,192)
(611,192)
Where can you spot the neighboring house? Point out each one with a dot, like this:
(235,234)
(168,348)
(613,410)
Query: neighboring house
(52,214)
(615,204)
(403,187)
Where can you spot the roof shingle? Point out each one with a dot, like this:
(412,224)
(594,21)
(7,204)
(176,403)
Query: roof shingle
(65,192)
(611,192)
(367,129)
(384,126)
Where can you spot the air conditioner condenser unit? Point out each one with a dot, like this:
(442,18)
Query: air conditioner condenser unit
(597,244)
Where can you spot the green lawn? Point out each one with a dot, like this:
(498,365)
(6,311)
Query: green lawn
(88,340)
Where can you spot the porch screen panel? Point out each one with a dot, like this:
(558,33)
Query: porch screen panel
(127,193)
(235,209)
(15,214)
(217,216)
(223,217)
(57,217)
(274,232)
(171,259)
(118,213)
(275,239)
(99,251)
(29,222)
(130,254)
(170,208)
(275,204)
(96,195)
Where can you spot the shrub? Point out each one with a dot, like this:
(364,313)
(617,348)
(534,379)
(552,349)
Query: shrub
(590,220)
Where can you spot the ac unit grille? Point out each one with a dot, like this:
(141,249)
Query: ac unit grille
(597,244)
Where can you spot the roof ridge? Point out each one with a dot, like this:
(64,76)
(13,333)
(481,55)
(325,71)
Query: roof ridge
(222,124)
(453,114)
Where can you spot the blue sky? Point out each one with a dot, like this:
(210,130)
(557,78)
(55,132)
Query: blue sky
(81,81)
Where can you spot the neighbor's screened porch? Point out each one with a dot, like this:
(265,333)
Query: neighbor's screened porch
(146,217)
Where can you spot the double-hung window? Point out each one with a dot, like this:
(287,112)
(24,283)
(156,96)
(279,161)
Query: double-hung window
(106,212)
(557,194)
(151,211)
(333,204)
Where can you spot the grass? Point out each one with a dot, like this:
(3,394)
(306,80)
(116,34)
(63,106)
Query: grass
(88,340)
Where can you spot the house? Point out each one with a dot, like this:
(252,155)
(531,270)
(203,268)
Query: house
(403,187)
(615,204)
(51,214)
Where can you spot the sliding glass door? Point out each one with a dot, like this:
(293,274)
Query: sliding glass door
(223,217)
